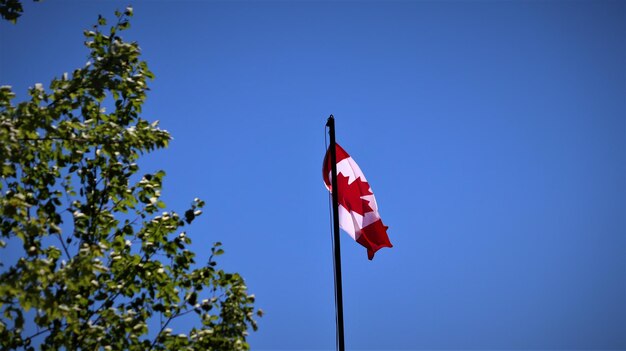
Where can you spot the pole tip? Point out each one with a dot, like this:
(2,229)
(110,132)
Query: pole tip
(331,120)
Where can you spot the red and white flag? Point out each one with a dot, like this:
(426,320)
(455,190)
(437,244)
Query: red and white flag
(358,212)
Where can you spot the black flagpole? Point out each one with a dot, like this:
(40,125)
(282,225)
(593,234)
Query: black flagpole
(337,249)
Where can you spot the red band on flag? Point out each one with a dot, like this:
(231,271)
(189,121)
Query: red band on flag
(374,237)
(340,155)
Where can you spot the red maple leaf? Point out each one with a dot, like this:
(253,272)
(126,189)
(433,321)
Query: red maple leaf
(350,195)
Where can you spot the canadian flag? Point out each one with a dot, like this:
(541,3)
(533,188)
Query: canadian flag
(358,212)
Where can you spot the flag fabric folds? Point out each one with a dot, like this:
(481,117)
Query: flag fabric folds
(358,211)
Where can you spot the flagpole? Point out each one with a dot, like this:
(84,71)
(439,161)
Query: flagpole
(337,249)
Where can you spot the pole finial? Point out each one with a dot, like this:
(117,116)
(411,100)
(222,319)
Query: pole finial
(331,120)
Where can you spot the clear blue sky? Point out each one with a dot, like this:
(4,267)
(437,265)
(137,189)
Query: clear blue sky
(493,135)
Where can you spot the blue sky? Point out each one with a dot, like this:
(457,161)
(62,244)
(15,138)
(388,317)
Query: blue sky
(493,134)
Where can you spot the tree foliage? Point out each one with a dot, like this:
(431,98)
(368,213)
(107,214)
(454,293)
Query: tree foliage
(11,10)
(100,266)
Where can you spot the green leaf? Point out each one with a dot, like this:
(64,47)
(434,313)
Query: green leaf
(189,216)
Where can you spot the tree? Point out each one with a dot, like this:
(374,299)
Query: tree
(99,267)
